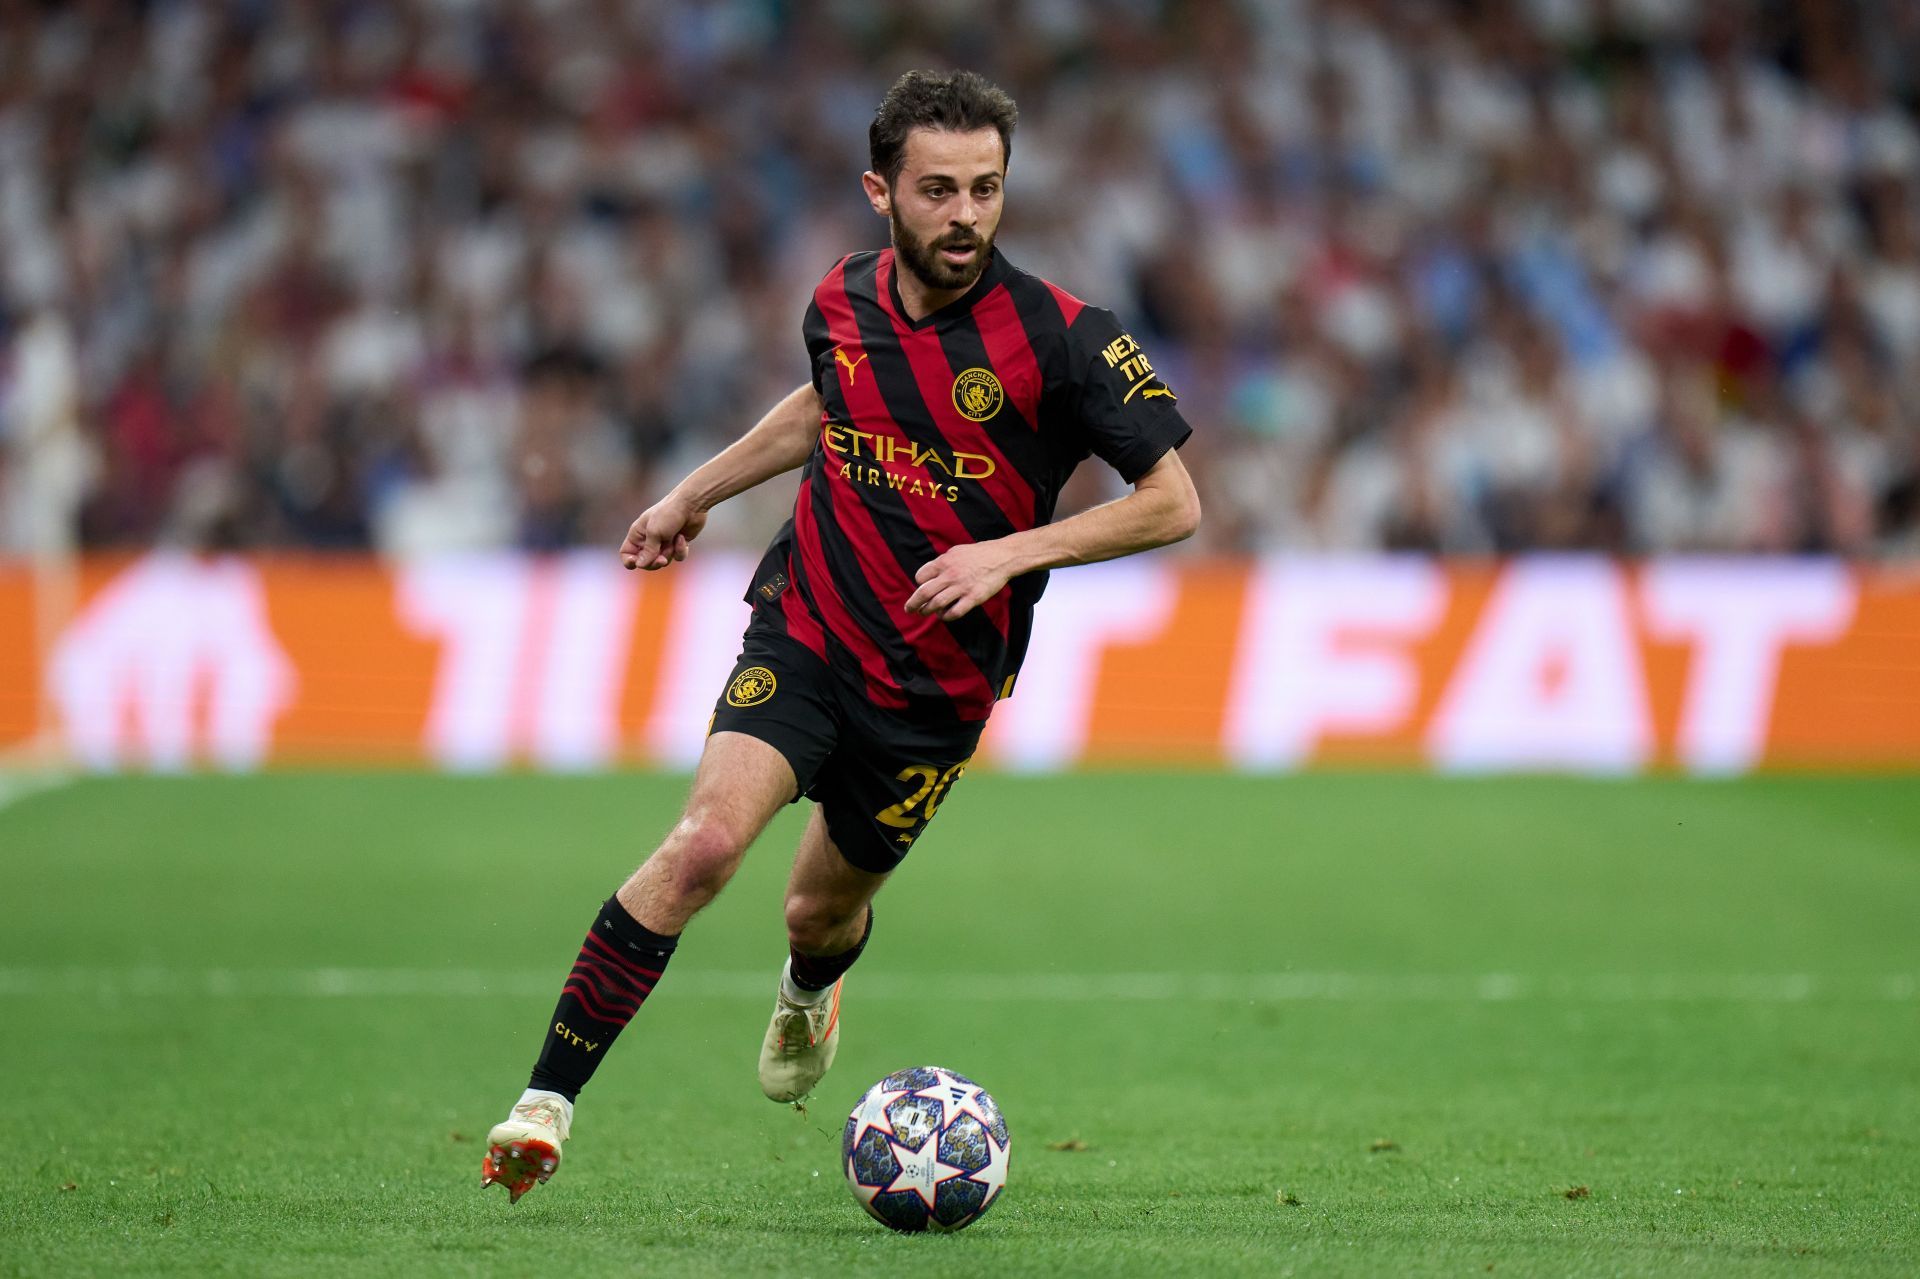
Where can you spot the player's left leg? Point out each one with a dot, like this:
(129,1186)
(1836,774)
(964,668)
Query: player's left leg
(829,917)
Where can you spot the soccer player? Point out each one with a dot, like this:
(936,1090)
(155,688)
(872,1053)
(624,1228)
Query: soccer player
(952,394)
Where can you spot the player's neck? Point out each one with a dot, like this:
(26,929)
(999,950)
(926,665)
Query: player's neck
(922,300)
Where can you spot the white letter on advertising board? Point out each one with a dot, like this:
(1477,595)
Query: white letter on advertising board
(1738,616)
(476,607)
(1551,678)
(1044,724)
(1322,650)
(171,634)
(587,626)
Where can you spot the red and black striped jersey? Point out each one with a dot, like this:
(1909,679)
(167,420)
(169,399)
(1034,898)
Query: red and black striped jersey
(958,427)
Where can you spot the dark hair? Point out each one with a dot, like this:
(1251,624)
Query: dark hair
(957,101)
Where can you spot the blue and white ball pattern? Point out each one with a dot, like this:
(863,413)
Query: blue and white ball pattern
(926,1149)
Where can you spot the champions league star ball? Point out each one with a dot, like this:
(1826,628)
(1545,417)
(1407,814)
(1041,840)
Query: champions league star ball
(926,1149)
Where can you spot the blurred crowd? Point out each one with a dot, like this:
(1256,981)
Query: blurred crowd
(1631,275)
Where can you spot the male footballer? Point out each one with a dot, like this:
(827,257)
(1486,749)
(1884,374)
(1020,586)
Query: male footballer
(952,394)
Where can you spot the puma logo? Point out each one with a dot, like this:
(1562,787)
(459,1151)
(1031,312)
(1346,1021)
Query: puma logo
(852,366)
(1146,392)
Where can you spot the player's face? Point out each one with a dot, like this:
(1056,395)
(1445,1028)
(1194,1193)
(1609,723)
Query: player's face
(945,205)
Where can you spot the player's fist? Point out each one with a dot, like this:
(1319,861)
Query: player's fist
(959,581)
(660,536)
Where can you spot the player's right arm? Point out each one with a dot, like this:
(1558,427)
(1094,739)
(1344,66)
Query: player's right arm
(778,442)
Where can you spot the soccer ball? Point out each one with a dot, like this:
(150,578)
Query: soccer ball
(926,1149)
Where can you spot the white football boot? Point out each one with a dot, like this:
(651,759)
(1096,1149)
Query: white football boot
(525,1149)
(800,1043)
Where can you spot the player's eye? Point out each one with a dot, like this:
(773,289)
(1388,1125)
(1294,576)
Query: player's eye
(937,192)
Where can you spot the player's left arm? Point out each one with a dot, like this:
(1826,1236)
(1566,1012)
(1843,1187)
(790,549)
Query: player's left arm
(1163,508)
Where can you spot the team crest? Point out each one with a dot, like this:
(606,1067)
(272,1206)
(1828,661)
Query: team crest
(751,687)
(977,394)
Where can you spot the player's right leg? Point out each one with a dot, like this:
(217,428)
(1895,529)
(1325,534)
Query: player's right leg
(741,783)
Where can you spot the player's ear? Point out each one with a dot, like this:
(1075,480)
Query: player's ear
(877,193)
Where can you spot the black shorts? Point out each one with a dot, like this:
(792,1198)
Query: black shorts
(878,777)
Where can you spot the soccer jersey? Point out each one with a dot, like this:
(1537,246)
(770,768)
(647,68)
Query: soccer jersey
(961,426)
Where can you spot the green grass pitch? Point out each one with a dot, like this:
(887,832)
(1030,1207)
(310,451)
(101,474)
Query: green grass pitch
(1336,1024)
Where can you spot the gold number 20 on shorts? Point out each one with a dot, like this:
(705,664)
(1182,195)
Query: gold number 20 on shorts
(933,785)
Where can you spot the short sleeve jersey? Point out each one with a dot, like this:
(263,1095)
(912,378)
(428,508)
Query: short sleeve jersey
(960,426)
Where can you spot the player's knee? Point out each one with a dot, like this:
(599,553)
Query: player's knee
(818,925)
(706,852)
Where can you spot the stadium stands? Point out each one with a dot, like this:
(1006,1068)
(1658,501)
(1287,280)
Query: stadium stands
(1638,276)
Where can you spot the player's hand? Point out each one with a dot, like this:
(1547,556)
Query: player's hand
(660,536)
(959,581)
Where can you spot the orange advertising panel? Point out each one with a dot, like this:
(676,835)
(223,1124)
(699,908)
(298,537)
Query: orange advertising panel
(1558,663)
(19,672)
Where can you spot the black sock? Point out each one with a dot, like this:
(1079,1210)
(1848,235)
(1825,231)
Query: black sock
(619,963)
(817,972)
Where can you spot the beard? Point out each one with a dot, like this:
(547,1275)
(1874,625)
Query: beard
(922,257)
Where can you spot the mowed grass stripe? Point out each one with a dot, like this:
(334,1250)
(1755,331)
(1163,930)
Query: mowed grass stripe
(1331,987)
